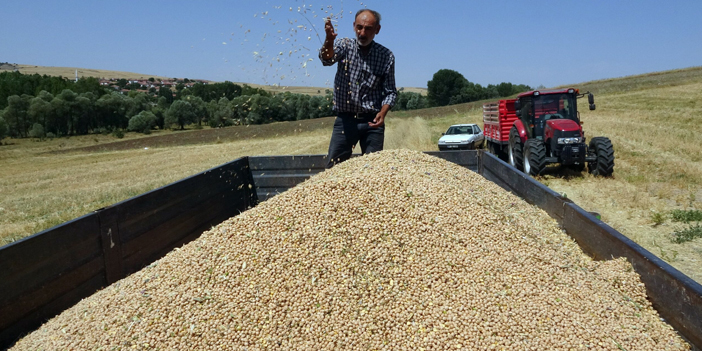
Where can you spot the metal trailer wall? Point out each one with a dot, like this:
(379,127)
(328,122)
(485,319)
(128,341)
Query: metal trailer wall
(50,271)
(677,298)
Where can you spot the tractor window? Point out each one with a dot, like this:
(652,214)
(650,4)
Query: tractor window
(555,106)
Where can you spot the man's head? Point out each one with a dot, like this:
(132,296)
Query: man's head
(366,26)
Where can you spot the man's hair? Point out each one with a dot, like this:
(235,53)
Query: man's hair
(374,13)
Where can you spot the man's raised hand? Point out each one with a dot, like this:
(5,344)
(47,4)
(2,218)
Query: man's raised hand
(329,28)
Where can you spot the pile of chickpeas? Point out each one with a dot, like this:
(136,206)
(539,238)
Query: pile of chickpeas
(395,250)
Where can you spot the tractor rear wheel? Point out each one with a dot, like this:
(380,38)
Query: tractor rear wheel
(515,152)
(534,157)
(604,164)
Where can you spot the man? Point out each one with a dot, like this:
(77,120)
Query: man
(364,87)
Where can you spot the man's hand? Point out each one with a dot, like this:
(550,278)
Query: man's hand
(328,47)
(329,28)
(378,121)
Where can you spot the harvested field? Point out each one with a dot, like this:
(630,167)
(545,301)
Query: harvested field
(394,250)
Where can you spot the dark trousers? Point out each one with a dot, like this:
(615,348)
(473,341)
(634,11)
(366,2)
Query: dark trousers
(350,129)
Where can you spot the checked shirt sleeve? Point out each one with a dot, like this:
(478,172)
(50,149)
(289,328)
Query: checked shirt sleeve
(340,49)
(389,88)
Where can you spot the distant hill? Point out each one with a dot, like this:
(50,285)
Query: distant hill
(70,72)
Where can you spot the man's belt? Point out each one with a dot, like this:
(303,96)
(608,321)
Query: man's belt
(358,115)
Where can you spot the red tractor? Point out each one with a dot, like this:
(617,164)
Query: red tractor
(543,127)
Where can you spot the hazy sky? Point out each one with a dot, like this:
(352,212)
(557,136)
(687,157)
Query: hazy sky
(271,42)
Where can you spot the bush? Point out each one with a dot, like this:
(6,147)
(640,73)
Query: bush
(658,218)
(690,233)
(3,128)
(50,135)
(118,133)
(686,216)
(37,131)
(142,122)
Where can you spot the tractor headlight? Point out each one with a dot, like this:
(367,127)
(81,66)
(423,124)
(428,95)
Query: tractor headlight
(575,140)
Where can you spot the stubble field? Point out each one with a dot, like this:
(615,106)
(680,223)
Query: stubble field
(653,121)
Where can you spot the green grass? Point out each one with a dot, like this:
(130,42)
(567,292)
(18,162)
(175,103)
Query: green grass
(688,234)
(686,216)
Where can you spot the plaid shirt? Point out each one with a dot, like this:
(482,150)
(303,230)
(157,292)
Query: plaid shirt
(363,83)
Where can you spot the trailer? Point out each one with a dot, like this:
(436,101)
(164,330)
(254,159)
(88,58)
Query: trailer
(50,271)
(498,118)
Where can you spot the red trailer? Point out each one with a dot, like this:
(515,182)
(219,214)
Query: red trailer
(543,127)
(498,118)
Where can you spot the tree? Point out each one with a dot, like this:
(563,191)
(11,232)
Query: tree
(444,84)
(401,101)
(240,109)
(199,108)
(180,113)
(221,113)
(16,115)
(416,101)
(37,131)
(247,90)
(138,102)
(88,85)
(112,109)
(39,110)
(69,113)
(84,114)
(469,92)
(122,83)
(142,122)
(3,127)
(166,93)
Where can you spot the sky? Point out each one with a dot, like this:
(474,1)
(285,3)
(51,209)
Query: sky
(538,43)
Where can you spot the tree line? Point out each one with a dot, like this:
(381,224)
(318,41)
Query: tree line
(44,106)
(449,87)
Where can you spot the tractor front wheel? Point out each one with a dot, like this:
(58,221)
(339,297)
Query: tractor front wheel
(534,157)
(604,151)
(515,152)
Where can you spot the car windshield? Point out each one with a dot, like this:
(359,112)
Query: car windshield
(459,130)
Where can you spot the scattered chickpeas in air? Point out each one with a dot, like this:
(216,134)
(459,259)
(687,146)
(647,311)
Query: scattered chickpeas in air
(394,250)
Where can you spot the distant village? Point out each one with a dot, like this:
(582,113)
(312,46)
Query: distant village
(150,85)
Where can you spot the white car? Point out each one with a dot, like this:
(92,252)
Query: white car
(461,137)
